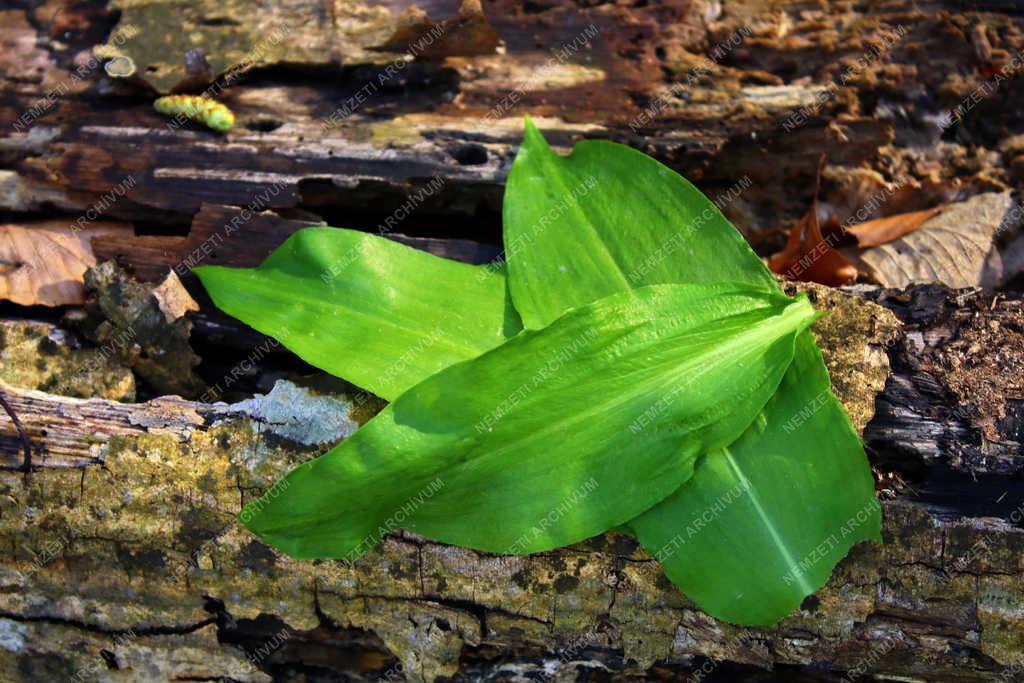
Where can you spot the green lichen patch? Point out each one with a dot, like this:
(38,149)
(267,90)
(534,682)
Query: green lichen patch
(1001,615)
(156,35)
(35,355)
(852,337)
(646,613)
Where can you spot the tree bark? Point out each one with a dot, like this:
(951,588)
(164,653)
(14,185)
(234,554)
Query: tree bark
(718,92)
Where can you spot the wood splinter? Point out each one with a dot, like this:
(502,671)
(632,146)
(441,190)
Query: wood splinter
(26,444)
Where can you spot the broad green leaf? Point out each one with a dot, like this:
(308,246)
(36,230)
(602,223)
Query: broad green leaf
(614,399)
(379,314)
(605,219)
(639,224)
(762,523)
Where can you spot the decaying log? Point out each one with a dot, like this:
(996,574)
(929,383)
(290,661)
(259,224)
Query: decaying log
(133,505)
(720,93)
(120,556)
(955,399)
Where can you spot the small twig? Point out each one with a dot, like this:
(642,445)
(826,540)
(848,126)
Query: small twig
(26,465)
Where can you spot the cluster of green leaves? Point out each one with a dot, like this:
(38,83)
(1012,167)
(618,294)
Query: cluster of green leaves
(633,365)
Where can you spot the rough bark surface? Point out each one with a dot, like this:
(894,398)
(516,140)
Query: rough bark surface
(120,559)
(719,91)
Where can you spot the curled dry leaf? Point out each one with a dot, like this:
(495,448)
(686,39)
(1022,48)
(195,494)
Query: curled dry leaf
(882,230)
(42,263)
(811,257)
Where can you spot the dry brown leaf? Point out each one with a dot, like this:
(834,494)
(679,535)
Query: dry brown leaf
(881,230)
(809,256)
(42,262)
(173,299)
(955,247)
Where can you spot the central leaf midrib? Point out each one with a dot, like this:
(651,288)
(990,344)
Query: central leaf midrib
(692,368)
(780,545)
(550,158)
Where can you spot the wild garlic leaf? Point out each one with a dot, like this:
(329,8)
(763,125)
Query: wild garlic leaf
(615,399)
(429,327)
(605,219)
(800,485)
(762,523)
(377,313)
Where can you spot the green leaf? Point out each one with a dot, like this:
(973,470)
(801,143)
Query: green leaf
(377,313)
(762,523)
(617,397)
(605,219)
(637,224)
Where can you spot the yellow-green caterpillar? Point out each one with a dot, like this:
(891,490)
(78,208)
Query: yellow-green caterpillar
(196,108)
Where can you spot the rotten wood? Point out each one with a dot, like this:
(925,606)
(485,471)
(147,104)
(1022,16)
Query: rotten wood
(718,94)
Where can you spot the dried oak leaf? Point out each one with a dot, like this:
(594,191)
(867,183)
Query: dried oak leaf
(955,247)
(42,263)
(881,230)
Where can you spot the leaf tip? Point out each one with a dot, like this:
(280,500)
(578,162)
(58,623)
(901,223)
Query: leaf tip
(532,137)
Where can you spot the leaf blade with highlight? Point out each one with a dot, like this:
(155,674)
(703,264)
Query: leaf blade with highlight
(690,364)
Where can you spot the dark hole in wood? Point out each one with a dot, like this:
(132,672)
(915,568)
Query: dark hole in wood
(110,659)
(469,154)
(217,21)
(264,125)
